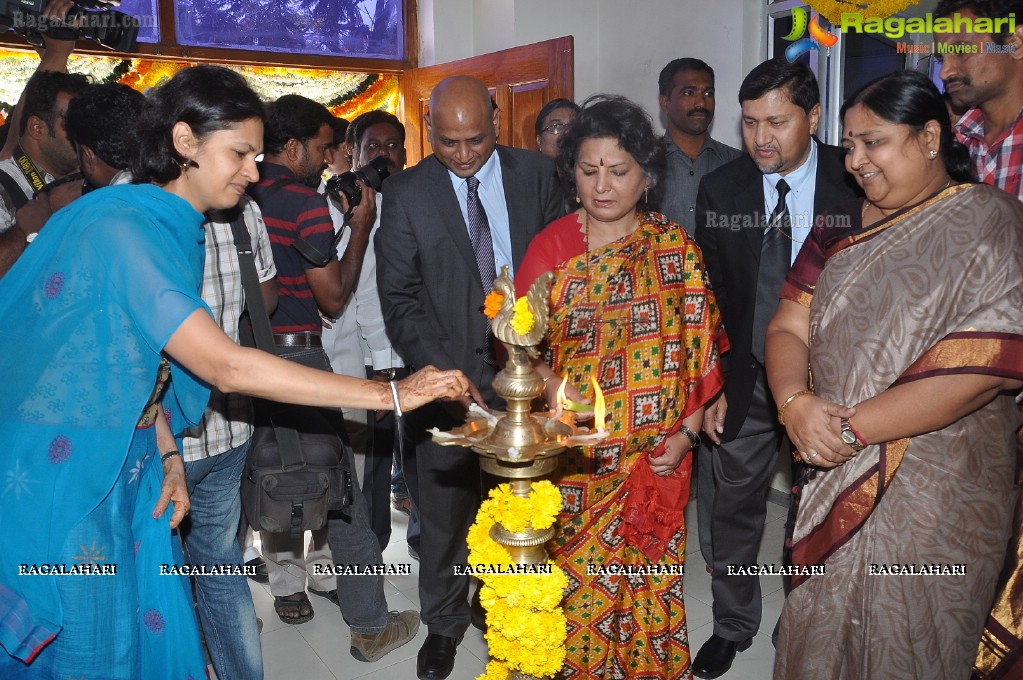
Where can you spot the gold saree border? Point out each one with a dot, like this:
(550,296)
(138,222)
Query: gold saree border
(850,510)
(892,220)
(985,352)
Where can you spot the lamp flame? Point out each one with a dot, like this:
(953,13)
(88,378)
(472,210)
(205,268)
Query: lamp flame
(599,410)
(561,390)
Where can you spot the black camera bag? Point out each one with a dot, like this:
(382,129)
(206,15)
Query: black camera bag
(297,472)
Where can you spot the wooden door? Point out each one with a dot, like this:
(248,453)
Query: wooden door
(521,80)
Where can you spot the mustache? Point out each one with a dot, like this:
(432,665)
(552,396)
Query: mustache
(698,109)
(769,147)
(962,80)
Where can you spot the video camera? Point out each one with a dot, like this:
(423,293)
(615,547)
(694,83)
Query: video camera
(89,19)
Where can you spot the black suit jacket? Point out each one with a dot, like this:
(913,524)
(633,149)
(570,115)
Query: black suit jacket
(431,293)
(729,229)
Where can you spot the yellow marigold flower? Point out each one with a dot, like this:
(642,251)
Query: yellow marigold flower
(496,670)
(526,626)
(522,320)
(492,303)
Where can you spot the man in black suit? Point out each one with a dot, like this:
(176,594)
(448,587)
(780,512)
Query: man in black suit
(447,225)
(752,214)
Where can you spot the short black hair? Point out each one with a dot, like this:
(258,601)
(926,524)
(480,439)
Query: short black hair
(370,118)
(106,119)
(293,117)
(340,128)
(208,98)
(40,96)
(910,98)
(553,105)
(606,115)
(778,73)
(674,66)
(992,9)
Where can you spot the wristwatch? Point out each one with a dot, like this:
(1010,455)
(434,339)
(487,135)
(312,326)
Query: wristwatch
(850,436)
(389,373)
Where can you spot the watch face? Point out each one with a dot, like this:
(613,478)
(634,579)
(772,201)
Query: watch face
(848,437)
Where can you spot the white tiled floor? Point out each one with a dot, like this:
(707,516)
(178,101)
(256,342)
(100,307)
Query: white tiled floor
(319,649)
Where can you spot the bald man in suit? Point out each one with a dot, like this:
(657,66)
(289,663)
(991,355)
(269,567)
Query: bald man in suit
(447,226)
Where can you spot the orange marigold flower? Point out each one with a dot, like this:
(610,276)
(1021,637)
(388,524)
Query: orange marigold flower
(492,304)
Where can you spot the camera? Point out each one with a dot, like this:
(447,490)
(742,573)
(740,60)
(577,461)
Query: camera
(372,175)
(89,19)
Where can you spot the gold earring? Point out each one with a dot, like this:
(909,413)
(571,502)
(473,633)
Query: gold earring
(188,163)
(577,199)
(646,196)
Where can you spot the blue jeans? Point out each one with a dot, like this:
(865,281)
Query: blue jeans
(226,613)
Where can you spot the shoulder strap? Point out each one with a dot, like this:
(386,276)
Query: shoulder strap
(288,443)
(14,190)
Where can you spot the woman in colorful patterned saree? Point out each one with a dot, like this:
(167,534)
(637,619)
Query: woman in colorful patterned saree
(905,309)
(630,308)
(87,311)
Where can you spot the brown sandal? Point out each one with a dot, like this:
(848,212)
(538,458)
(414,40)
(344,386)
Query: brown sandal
(294,605)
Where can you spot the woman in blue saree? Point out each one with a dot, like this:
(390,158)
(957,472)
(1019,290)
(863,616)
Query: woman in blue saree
(101,322)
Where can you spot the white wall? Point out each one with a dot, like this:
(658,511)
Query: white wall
(620,47)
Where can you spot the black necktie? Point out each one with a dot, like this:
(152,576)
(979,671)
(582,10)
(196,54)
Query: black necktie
(479,234)
(775,260)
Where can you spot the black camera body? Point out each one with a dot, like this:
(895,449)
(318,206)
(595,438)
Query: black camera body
(89,19)
(372,175)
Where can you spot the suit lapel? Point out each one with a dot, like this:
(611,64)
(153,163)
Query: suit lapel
(749,193)
(833,184)
(442,193)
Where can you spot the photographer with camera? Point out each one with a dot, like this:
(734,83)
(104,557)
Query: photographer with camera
(298,139)
(40,152)
(357,344)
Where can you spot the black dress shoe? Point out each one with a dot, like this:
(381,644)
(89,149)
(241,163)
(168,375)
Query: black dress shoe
(261,574)
(716,656)
(436,657)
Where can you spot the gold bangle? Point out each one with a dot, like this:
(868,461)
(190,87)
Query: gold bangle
(781,409)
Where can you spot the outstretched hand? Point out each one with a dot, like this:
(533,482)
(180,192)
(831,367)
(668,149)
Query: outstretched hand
(551,388)
(428,384)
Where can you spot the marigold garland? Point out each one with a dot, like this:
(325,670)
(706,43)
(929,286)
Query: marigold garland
(345,94)
(832,10)
(526,628)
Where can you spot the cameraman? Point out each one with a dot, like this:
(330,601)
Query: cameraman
(357,344)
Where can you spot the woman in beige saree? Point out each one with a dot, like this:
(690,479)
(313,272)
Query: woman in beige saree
(908,319)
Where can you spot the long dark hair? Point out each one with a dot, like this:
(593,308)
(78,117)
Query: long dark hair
(910,98)
(208,98)
(606,115)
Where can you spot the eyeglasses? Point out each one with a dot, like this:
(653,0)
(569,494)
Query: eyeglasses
(556,128)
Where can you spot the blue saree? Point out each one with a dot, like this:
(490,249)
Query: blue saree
(84,315)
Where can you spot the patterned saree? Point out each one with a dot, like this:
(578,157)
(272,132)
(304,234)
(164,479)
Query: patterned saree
(934,290)
(638,316)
